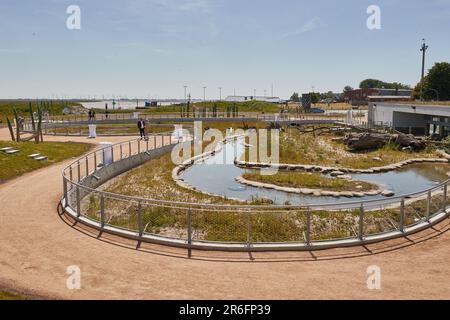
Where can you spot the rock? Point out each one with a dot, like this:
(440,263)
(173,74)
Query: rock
(336,173)
(345,177)
(347,194)
(387,193)
(368,140)
(376,159)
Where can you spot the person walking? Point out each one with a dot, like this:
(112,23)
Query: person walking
(141,126)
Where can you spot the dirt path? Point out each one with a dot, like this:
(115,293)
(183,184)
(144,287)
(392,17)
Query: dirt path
(37,246)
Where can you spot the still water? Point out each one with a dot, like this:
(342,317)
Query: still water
(217,175)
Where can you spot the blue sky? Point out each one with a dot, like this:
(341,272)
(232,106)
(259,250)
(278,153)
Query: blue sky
(152,48)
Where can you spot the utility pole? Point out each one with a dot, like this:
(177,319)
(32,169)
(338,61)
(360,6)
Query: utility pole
(204,93)
(185,97)
(220,93)
(423,49)
(271,87)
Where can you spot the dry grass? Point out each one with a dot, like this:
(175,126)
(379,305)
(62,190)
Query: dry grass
(298,148)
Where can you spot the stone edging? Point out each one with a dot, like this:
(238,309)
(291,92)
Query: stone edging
(336,170)
(190,162)
(316,192)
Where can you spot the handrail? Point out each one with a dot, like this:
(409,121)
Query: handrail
(430,213)
(340,205)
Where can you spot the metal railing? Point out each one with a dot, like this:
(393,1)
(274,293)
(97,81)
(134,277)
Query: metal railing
(237,227)
(129,117)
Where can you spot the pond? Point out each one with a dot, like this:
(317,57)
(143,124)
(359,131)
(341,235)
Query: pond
(217,175)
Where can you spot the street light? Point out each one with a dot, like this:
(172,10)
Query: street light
(204,93)
(220,93)
(185,96)
(423,49)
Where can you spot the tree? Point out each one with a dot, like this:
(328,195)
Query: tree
(436,85)
(374,83)
(315,97)
(347,89)
(295,97)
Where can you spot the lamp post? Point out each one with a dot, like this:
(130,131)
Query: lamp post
(204,93)
(220,93)
(185,96)
(423,49)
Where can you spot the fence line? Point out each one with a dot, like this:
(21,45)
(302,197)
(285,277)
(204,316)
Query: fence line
(236,227)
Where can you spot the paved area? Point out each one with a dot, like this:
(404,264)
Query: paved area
(37,245)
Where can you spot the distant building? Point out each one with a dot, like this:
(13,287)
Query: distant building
(410,118)
(252,98)
(364,96)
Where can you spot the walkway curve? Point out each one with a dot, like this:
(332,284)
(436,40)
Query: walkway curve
(37,246)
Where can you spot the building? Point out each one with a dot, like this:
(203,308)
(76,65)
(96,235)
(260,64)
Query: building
(410,118)
(252,98)
(364,96)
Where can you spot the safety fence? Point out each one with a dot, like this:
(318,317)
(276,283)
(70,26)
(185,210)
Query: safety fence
(235,227)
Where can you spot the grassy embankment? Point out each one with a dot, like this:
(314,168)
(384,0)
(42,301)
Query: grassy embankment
(298,148)
(153,180)
(14,165)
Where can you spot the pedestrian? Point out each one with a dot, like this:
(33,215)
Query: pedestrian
(141,126)
(93,115)
(90,115)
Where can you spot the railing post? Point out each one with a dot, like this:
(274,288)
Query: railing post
(249,229)
(129,148)
(87,167)
(95,161)
(79,171)
(121,154)
(102,210)
(361,223)
(112,153)
(78,202)
(428,205)
(65,192)
(140,224)
(308,227)
(70,173)
(146,145)
(103,158)
(444,206)
(189,232)
(139,146)
(402,216)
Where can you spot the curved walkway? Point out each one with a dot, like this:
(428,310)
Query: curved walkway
(37,245)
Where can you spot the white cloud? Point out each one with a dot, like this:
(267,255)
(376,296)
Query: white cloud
(311,25)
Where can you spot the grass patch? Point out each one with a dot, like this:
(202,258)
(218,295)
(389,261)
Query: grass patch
(14,165)
(306,148)
(11,296)
(310,180)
